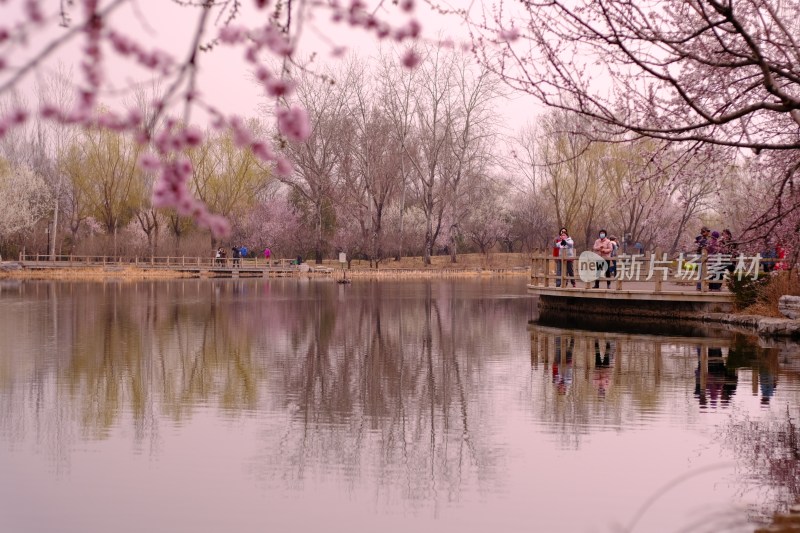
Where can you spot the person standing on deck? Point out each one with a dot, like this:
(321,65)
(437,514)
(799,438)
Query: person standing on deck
(603,247)
(566,254)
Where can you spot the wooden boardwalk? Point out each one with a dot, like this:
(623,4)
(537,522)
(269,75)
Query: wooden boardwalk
(195,265)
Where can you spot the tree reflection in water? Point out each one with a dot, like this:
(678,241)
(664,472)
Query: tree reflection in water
(378,389)
(376,384)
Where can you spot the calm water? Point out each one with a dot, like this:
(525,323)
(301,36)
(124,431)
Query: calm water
(291,405)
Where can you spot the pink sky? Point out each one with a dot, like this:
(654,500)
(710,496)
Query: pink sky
(225,79)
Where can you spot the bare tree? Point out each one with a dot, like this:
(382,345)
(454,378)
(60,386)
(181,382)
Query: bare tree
(322,160)
(376,170)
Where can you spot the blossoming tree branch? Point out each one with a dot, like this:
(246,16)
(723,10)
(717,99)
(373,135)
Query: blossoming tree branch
(35,32)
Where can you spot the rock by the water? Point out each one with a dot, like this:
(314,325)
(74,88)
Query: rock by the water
(789,306)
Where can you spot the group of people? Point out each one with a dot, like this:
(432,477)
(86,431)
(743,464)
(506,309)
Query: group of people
(714,242)
(237,252)
(607,247)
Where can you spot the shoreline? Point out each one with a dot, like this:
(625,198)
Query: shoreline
(763,326)
(15,271)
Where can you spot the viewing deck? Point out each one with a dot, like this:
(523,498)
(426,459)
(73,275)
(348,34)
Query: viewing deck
(642,286)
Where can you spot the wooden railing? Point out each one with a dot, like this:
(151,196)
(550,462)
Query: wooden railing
(166,261)
(663,274)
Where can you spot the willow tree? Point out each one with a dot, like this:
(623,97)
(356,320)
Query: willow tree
(107,177)
(226,178)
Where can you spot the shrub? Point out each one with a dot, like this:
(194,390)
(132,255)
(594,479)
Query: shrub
(761,295)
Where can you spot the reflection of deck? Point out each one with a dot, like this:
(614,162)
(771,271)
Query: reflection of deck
(718,341)
(645,291)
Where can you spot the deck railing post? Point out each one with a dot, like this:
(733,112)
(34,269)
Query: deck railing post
(658,281)
(547,272)
(703,271)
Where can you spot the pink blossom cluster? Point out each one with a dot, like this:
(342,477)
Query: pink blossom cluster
(172,140)
(293,123)
(16,117)
(166,160)
(155,60)
(508,34)
(243,138)
(92,61)
(356,14)
(276,87)
(171,190)
(34,11)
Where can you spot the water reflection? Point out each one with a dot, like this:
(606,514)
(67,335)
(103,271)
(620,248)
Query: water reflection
(376,382)
(606,379)
(378,401)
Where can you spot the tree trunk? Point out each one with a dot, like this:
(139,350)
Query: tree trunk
(453,250)
(318,245)
(53,233)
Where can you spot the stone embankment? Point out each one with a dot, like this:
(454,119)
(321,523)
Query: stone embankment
(789,306)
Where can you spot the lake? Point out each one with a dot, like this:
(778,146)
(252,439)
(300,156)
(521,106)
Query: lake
(381,406)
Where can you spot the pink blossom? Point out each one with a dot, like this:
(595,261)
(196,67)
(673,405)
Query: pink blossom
(34,12)
(277,87)
(293,123)
(263,74)
(186,205)
(262,151)
(134,117)
(414,28)
(219,226)
(4,34)
(241,137)
(232,34)
(49,111)
(283,167)
(407,5)
(149,162)
(192,136)
(183,169)
(18,117)
(410,59)
(510,34)
(383,30)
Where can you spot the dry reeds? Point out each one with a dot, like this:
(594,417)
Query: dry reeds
(780,283)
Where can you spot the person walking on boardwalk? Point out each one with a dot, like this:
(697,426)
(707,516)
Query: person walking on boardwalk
(714,247)
(612,265)
(566,254)
(603,247)
(701,242)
